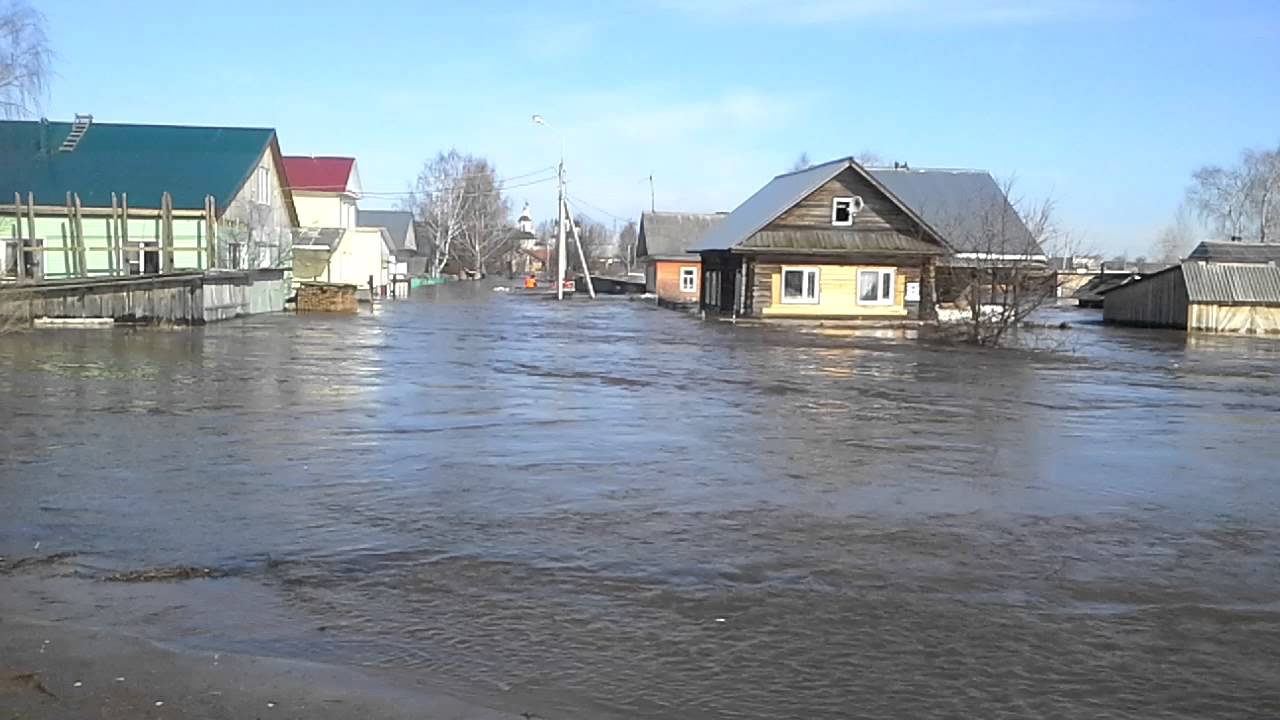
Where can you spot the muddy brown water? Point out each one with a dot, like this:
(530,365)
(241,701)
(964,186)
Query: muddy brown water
(612,509)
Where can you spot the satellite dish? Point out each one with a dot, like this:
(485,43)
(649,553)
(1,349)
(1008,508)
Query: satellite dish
(856,206)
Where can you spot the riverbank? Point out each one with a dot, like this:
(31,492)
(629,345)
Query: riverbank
(55,671)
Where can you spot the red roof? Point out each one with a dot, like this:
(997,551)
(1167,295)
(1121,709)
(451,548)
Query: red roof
(318,174)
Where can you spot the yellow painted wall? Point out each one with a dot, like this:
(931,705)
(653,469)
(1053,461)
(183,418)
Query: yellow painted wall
(1243,319)
(838,294)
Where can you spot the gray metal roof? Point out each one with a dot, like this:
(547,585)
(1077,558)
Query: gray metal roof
(671,234)
(967,207)
(1232,283)
(396,223)
(770,201)
(1236,252)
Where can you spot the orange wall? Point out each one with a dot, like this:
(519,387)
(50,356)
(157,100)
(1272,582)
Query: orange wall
(668,280)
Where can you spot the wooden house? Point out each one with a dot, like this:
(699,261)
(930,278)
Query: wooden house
(671,270)
(839,240)
(1220,288)
(90,199)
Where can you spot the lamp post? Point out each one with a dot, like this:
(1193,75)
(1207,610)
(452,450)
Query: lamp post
(561,214)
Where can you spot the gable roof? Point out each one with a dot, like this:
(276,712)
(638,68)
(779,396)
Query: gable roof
(319,174)
(396,222)
(144,161)
(965,206)
(784,192)
(671,234)
(1236,252)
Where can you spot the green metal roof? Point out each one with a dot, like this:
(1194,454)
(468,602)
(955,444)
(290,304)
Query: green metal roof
(144,161)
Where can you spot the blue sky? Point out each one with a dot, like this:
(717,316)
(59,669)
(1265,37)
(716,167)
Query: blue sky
(1105,106)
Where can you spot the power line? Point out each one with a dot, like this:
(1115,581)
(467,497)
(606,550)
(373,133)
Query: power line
(498,182)
(602,210)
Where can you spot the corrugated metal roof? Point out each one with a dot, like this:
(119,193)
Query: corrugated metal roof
(1232,283)
(768,203)
(967,207)
(327,237)
(840,241)
(144,161)
(671,234)
(1236,252)
(396,223)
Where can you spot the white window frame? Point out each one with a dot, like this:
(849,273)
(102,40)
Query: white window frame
(854,205)
(886,279)
(812,283)
(688,273)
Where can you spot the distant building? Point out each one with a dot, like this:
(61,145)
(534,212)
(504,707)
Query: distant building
(1220,288)
(333,246)
(409,260)
(664,241)
(224,182)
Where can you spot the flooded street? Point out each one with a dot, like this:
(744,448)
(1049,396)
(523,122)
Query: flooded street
(612,510)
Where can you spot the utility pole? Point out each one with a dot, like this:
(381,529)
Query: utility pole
(564,212)
(652,208)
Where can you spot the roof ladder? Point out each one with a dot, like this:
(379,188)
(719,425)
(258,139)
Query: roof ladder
(78,130)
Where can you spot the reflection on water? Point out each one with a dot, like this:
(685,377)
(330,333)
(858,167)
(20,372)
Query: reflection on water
(615,508)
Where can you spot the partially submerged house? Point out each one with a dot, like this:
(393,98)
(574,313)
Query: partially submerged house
(843,241)
(90,199)
(1222,287)
(333,247)
(671,270)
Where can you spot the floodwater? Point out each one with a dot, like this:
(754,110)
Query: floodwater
(612,510)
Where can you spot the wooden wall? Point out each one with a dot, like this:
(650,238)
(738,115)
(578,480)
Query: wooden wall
(667,280)
(1158,300)
(837,291)
(879,213)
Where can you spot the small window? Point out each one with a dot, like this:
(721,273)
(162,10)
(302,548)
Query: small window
(844,208)
(264,186)
(688,279)
(800,285)
(875,287)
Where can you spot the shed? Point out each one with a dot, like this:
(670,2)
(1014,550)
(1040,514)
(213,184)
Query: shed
(1201,296)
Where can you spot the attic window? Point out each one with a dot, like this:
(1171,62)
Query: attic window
(844,208)
(264,185)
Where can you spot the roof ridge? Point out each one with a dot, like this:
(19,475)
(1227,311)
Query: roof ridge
(175,126)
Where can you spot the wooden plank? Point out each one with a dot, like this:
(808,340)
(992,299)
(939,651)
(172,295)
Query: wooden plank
(81,257)
(18,252)
(211,229)
(166,233)
(66,242)
(124,232)
(111,255)
(31,229)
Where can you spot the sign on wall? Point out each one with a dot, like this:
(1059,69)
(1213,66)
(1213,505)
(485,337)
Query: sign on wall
(913,292)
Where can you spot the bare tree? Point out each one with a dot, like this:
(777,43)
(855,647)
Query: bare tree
(25,59)
(1243,200)
(869,158)
(628,241)
(1003,276)
(1175,239)
(486,227)
(596,243)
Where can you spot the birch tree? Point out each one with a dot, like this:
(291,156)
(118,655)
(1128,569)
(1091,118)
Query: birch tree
(486,230)
(439,202)
(628,240)
(1242,200)
(25,59)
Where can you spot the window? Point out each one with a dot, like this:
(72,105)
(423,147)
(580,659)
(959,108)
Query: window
(876,287)
(800,285)
(688,279)
(264,186)
(844,208)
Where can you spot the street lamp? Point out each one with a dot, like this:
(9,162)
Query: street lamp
(561,214)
